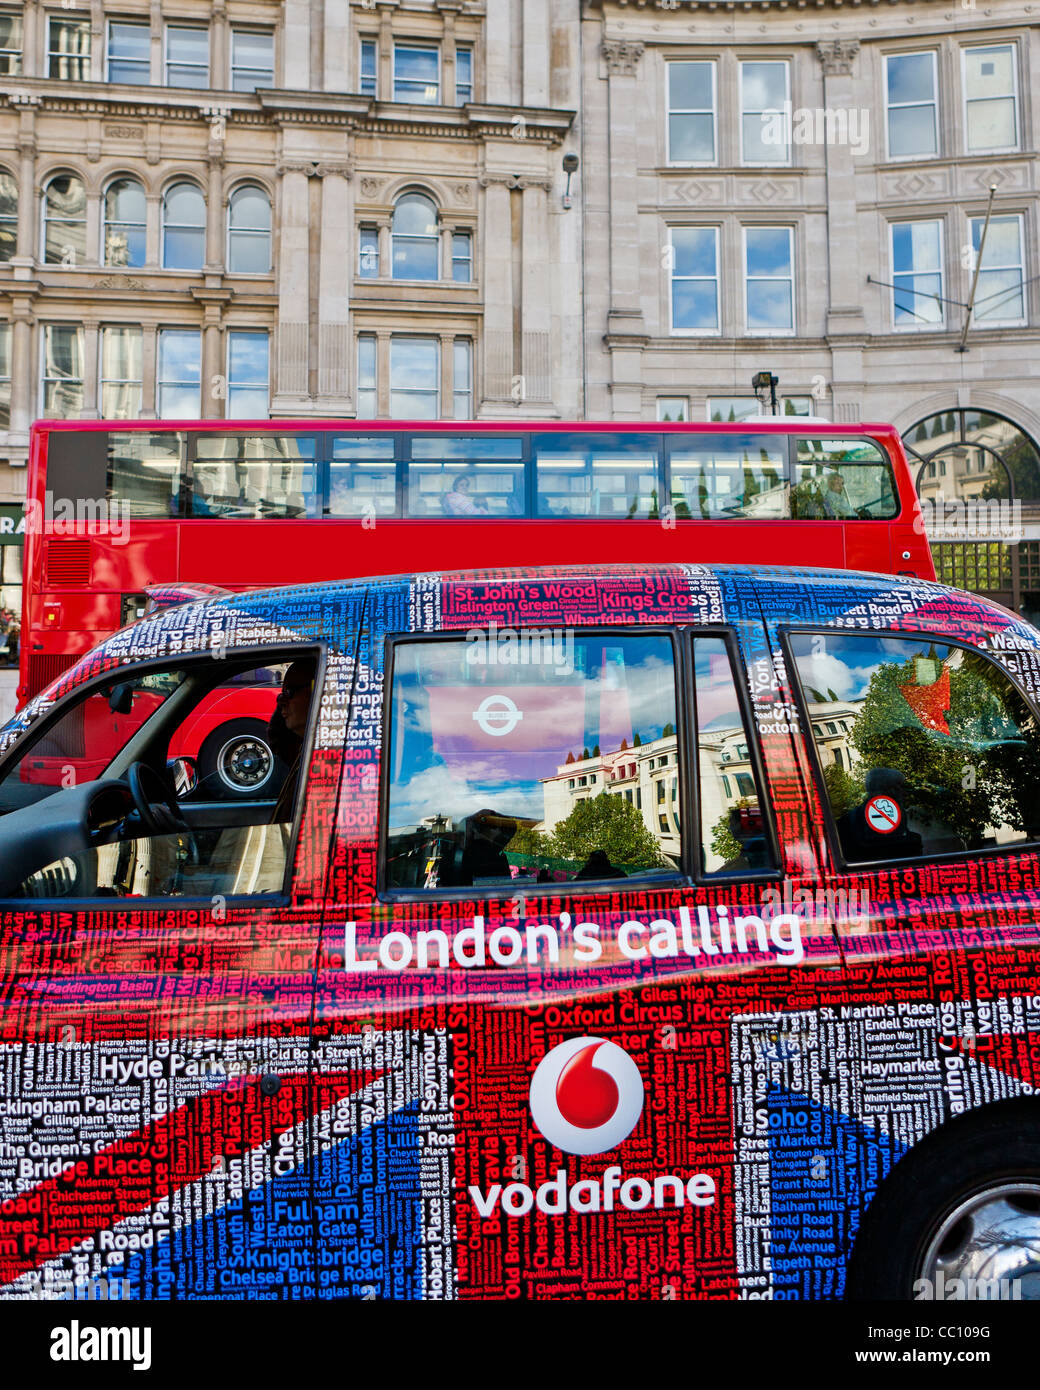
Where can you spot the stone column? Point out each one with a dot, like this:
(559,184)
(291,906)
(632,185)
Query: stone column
(214,402)
(625,336)
(219,48)
(846,323)
(296,41)
(152,231)
(536,296)
(34,61)
(149,356)
(337,48)
(447,376)
(383,372)
(385,248)
(335,274)
(155,40)
(291,376)
(536,52)
(385,54)
(448,56)
(28,202)
(216,213)
(23,375)
(90,409)
(499,367)
(97,41)
(498,55)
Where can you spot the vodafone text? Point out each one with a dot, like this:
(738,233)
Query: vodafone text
(556,1196)
(716,934)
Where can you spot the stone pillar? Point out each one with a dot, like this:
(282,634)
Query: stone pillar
(296,43)
(152,231)
(536,296)
(448,56)
(34,61)
(214,401)
(23,375)
(335,274)
(625,335)
(149,356)
(216,213)
(383,372)
(155,40)
(845,301)
(90,409)
(447,376)
(385,249)
(385,54)
(499,366)
(498,55)
(97,41)
(219,48)
(292,368)
(536,52)
(28,203)
(337,48)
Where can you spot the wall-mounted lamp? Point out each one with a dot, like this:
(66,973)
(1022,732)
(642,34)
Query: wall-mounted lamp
(570,167)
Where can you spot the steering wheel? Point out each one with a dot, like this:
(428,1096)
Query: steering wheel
(155,801)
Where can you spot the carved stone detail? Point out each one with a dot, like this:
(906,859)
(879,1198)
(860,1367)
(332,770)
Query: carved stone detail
(622,56)
(836,55)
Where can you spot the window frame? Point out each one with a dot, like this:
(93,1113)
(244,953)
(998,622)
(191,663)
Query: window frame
(1020,266)
(747,277)
(937,153)
(715,332)
(267,654)
(6,379)
(785,631)
(940,326)
(257,30)
(413,391)
(159,379)
(415,45)
(46,221)
(680,877)
(248,233)
(127,22)
(469,86)
(363,41)
(15,68)
(7,220)
(240,330)
(746,163)
(175,23)
(1016,105)
(70,16)
(670,110)
(44,379)
(104,381)
(165,224)
(117,222)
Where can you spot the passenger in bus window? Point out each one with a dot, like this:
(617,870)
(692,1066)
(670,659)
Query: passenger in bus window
(835,497)
(457,501)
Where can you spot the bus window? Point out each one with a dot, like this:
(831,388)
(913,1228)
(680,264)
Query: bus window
(733,832)
(452,475)
(719,476)
(842,479)
(257,475)
(362,476)
(144,472)
(613,477)
(562,768)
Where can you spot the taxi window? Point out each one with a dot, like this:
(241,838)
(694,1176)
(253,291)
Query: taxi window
(734,838)
(532,756)
(925,748)
(842,479)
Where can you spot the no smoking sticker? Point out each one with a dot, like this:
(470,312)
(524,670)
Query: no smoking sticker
(883,814)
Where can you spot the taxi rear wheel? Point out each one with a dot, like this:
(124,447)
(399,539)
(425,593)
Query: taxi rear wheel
(238,758)
(959,1218)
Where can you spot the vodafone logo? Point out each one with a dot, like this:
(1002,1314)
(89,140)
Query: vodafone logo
(586,1096)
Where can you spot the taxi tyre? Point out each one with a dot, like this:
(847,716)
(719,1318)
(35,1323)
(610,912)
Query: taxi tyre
(970,1165)
(214,753)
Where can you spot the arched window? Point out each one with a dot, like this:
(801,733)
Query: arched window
(183,228)
(249,231)
(124,223)
(416,245)
(64,221)
(8,215)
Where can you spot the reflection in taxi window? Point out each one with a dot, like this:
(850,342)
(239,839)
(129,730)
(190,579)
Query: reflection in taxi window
(534,756)
(925,748)
(733,832)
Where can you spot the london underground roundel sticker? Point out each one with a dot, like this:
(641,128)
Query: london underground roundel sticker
(586,1096)
(883,814)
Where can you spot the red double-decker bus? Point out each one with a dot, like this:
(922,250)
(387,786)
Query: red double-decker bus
(116,508)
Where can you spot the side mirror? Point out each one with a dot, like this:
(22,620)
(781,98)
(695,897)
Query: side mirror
(185,775)
(121,699)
